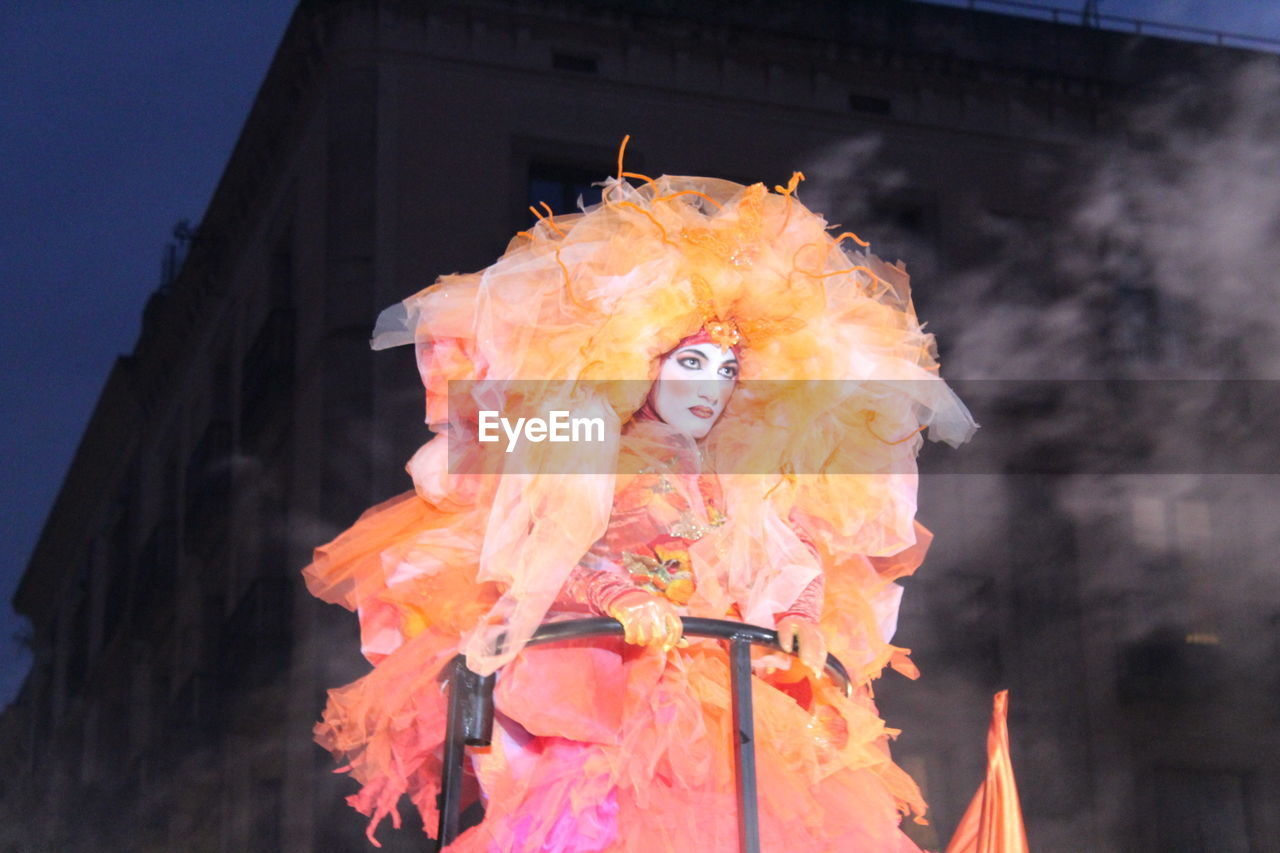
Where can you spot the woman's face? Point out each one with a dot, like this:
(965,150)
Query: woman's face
(694,385)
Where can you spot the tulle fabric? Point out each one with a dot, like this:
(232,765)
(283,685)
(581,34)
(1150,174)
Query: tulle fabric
(638,753)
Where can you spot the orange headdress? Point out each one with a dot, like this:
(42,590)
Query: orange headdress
(601,295)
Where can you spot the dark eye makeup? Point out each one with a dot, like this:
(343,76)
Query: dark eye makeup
(694,360)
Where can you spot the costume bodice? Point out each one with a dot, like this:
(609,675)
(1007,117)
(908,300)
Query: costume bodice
(659,512)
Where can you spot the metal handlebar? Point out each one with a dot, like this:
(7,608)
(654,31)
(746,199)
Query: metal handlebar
(470,715)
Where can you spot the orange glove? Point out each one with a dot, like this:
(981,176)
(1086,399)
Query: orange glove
(647,619)
(804,638)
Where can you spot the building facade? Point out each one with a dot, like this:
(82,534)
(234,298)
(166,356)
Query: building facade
(180,664)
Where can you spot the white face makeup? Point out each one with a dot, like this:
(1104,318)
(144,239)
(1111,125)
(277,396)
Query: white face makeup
(694,385)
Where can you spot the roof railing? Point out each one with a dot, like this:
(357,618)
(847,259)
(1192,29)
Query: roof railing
(1089,16)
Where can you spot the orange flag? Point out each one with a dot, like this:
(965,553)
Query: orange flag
(993,821)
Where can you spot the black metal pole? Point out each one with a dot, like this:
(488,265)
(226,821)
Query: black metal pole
(451,773)
(744,745)
(477,711)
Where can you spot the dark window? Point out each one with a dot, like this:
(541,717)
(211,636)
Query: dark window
(220,390)
(157,567)
(192,715)
(1167,668)
(870,104)
(1135,322)
(110,735)
(78,647)
(267,376)
(959,635)
(904,218)
(282,276)
(267,373)
(42,720)
(267,808)
(273,520)
(208,488)
(116,600)
(905,228)
(1199,811)
(574,62)
(257,637)
(560,186)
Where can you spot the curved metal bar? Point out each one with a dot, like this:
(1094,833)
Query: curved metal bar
(470,718)
(694,626)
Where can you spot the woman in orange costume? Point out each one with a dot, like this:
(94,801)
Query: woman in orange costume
(767,475)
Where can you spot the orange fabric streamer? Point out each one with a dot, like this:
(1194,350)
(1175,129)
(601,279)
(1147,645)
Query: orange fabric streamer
(993,821)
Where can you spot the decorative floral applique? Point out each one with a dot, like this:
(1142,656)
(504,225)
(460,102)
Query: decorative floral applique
(666,571)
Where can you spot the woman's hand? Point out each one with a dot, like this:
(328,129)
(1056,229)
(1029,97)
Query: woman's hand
(804,637)
(647,619)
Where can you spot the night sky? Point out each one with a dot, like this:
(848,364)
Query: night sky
(116,120)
